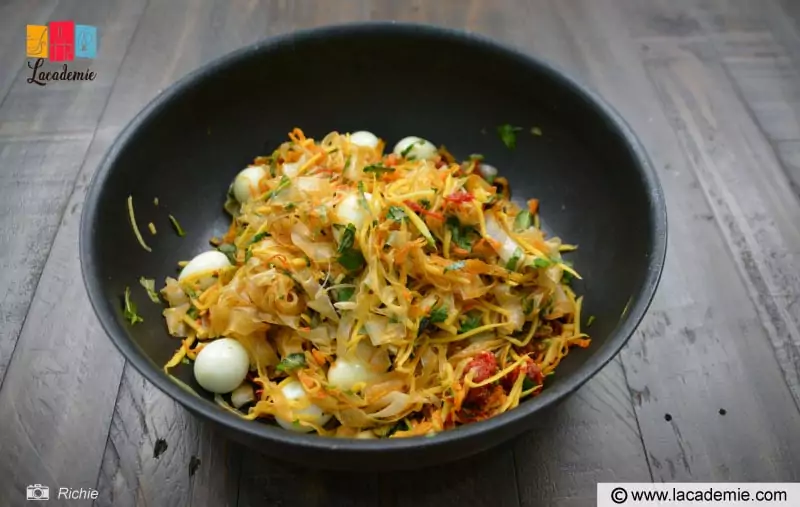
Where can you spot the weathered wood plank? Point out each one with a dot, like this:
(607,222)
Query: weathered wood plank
(703,346)
(14,15)
(58,391)
(45,132)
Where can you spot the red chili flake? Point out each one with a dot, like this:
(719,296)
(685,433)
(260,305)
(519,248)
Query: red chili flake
(460,197)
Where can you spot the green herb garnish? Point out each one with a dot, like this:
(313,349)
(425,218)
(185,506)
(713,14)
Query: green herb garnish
(426,204)
(348,238)
(258,237)
(512,262)
(508,134)
(130,308)
(362,198)
(536,131)
(177,226)
(590,320)
(290,206)
(523,221)
(282,185)
(410,147)
(192,312)
(438,314)
(454,266)
(229,251)
(458,234)
(344,294)
(527,384)
(471,321)
(292,362)
(541,262)
(527,306)
(397,214)
(150,286)
(351,259)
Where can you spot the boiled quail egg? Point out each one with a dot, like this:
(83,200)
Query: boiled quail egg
(207,262)
(489,172)
(346,373)
(293,390)
(415,147)
(245,186)
(364,138)
(351,211)
(221,365)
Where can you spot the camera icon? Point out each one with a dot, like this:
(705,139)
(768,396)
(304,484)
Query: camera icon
(37,492)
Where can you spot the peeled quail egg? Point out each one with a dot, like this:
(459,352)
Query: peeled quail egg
(221,365)
(207,262)
(351,211)
(489,172)
(293,390)
(345,373)
(415,147)
(245,186)
(364,138)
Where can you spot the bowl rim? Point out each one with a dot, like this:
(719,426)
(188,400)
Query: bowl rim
(640,301)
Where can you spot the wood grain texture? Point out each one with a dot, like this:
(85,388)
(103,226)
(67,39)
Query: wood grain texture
(694,354)
(58,392)
(46,132)
(14,15)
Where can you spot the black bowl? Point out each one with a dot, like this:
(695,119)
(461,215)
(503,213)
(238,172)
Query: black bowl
(596,186)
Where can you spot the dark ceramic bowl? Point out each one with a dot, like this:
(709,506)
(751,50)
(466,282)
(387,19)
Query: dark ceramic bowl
(596,186)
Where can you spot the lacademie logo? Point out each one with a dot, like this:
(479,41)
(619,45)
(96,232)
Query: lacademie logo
(60,41)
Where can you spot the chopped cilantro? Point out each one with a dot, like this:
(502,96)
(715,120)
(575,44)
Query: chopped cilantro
(512,262)
(471,321)
(290,206)
(247,255)
(190,292)
(423,325)
(459,235)
(348,238)
(410,147)
(438,314)
(292,362)
(397,214)
(454,266)
(590,320)
(362,198)
(150,286)
(258,237)
(527,306)
(185,360)
(282,185)
(351,259)
(541,262)
(527,384)
(523,221)
(229,251)
(426,204)
(378,169)
(177,226)
(508,134)
(129,311)
(192,312)
(344,294)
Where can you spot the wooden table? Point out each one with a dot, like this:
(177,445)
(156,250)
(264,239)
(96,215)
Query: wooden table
(708,388)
